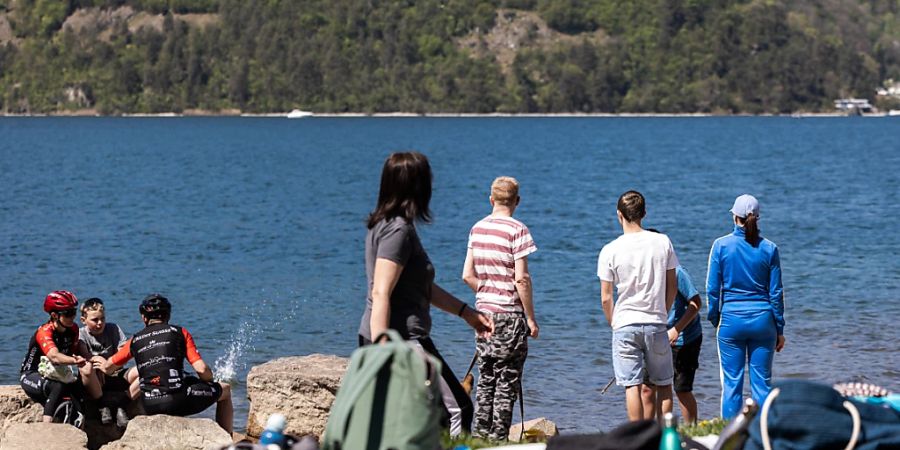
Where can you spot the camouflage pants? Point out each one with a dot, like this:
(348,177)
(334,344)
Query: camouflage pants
(500,362)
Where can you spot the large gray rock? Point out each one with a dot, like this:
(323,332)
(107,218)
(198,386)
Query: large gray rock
(16,407)
(161,432)
(536,430)
(44,436)
(300,387)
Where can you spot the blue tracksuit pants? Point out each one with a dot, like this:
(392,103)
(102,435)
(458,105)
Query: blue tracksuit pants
(745,336)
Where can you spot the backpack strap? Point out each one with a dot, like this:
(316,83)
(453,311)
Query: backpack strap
(764,421)
(392,335)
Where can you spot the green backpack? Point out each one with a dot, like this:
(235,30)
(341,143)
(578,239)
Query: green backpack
(389,399)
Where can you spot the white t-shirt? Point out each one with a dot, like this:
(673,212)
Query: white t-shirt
(636,264)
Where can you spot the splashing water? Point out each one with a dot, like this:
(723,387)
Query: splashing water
(227,366)
(230,365)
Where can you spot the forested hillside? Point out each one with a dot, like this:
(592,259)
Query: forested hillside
(723,56)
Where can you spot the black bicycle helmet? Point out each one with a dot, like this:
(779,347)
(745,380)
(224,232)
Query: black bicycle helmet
(155,306)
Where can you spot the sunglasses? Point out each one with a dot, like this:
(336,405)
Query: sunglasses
(67,313)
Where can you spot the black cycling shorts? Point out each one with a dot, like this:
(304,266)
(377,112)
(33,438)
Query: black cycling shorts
(49,393)
(193,399)
(115,383)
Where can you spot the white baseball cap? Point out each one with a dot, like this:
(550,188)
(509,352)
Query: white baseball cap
(745,204)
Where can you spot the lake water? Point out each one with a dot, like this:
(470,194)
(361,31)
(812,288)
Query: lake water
(254,228)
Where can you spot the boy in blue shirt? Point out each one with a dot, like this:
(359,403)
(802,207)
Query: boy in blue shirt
(685,336)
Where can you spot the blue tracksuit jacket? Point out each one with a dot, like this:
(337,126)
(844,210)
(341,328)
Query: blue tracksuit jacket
(739,272)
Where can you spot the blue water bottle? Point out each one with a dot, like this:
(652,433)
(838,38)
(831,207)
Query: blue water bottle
(273,435)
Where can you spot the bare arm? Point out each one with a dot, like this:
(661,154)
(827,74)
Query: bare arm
(203,371)
(105,365)
(693,308)
(606,300)
(671,288)
(526,293)
(442,299)
(468,275)
(384,280)
(61,359)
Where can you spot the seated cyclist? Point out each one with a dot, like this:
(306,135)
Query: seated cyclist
(159,351)
(57,340)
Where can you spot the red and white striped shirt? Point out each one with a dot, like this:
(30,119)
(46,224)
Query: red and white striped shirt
(496,243)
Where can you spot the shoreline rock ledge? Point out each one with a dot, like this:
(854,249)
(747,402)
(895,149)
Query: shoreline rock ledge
(300,387)
(16,407)
(161,432)
(44,436)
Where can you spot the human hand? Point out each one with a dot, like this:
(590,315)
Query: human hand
(535,329)
(97,362)
(79,360)
(779,343)
(673,336)
(483,325)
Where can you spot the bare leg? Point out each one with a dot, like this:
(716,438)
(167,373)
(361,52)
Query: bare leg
(90,381)
(225,410)
(648,400)
(688,406)
(633,403)
(134,388)
(664,400)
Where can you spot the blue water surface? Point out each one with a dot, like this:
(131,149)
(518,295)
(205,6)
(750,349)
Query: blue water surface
(254,228)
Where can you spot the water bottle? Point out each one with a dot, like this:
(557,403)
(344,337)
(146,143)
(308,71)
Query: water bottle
(273,435)
(735,434)
(670,438)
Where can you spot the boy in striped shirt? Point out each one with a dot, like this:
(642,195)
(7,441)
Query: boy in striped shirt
(496,269)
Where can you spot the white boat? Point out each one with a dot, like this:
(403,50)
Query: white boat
(298,114)
(894,112)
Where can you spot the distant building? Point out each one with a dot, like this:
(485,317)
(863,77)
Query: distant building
(890,89)
(853,105)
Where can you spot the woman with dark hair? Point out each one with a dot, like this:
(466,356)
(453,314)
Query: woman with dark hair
(401,286)
(746,305)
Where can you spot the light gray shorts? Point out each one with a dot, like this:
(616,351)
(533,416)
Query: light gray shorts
(639,350)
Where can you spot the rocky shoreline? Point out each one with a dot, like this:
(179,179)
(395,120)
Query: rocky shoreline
(300,387)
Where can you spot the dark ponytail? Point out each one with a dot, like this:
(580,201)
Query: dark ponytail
(751,229)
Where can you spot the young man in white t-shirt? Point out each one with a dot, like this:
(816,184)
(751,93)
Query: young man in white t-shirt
(640,266)
(496,269)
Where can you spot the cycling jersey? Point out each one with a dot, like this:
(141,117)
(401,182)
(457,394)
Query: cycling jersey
(46,339)
(159,351)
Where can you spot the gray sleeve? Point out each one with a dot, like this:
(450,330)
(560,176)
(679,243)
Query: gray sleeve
(83,334)
(121,336)
(395,242)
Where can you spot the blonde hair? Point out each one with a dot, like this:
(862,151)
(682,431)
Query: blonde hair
(505,191)
(91,305)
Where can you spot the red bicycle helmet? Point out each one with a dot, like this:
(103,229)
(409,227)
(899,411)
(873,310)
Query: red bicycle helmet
(57,301)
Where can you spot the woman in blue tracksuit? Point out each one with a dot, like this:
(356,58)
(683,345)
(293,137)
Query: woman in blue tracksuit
(746,304)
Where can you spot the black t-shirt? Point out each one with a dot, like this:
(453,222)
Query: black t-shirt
(396,240)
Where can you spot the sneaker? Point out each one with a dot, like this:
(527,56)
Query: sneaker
(105,416)
(121,418)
